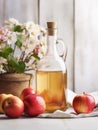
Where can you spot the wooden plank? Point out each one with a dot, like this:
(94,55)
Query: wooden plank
(23,10)
(62,12)
(86,45)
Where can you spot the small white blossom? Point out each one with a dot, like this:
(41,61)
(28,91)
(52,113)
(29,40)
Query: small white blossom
(33,29)
(12,21)
(11,38)
(9,24)
(3,60)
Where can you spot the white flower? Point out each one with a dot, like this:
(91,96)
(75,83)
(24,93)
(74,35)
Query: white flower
(33,29)
(42,52)
(43,30)
(3,60)
(9,24)
(12,21)
(12,38)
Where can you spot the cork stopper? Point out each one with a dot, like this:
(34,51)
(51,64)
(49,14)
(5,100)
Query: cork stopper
(51,27)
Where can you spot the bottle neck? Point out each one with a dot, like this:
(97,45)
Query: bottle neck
(51,42)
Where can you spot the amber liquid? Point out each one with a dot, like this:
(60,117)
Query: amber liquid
(52,86)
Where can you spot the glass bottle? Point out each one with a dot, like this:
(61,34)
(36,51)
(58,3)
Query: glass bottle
(52,74)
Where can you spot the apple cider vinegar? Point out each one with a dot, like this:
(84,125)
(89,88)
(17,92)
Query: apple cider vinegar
(52,85)
(51,74)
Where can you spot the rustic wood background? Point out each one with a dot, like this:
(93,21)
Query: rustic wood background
(77,26)
(86,45)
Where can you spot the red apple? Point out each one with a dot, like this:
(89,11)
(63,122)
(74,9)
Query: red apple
(3,96)
(26,92)
(13,107)
(34,105)
(83,103)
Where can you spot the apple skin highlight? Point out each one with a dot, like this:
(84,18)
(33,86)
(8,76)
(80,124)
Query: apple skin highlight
(34,105)
(3,96)
(83,103)
(26,92)
(13,107)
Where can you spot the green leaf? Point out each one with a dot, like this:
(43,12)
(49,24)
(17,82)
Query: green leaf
(12,64)
(7,50)
(18,28)
(21,67)
(36,56)
(19,41)
(15,66)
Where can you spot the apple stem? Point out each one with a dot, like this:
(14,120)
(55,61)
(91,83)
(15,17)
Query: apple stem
(84,93)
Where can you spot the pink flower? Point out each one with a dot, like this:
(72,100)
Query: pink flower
(3,35)
(36,50)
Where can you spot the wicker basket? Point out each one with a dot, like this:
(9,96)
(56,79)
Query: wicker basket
(14,83)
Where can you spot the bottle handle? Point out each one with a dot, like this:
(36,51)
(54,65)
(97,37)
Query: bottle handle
(61,48)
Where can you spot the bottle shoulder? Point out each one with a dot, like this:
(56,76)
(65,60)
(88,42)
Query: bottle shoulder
(51,63)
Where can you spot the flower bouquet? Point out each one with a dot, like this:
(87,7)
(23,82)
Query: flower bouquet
(22,45)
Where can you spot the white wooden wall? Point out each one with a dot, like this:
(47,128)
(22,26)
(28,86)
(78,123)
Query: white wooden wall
(23,10)
(86,45)
(77,26)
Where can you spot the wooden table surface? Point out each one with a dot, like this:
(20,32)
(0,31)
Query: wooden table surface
(90,123)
